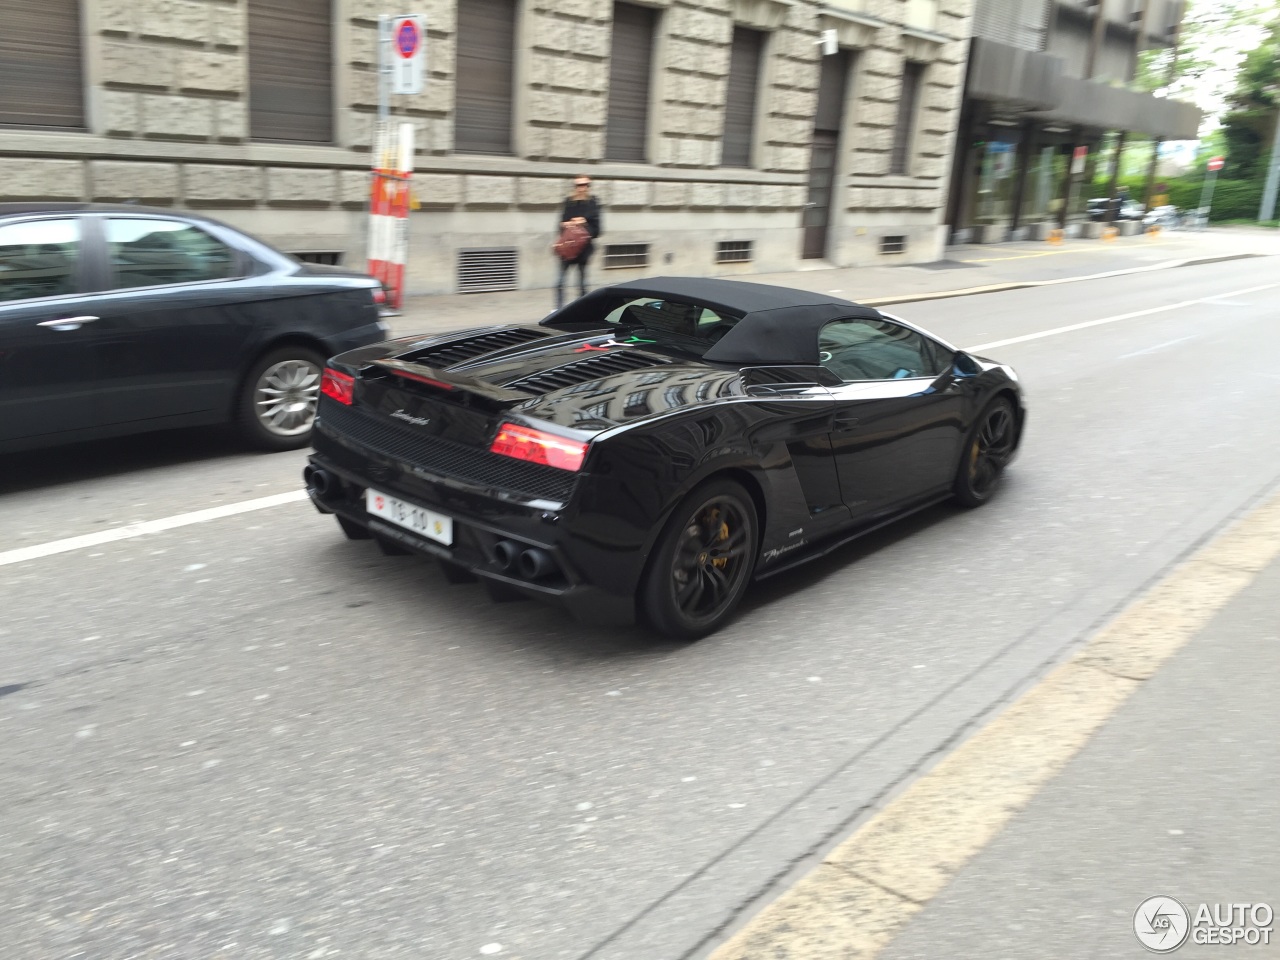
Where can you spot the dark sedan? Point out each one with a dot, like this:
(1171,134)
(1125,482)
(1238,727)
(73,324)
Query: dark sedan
(123,319)
(655,445)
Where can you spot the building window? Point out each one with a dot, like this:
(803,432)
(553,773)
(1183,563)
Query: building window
(912,73)
(486,76)
(626,134)
(893,244)
(626,255)
(40,80)
(290,71)
(740,97)
(733,251)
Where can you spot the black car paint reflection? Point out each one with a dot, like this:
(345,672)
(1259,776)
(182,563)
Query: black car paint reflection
(823,459)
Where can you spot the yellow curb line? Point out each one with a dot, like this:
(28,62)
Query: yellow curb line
(864,891)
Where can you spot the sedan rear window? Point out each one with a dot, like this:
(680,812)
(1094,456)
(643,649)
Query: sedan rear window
(149,253)
(38,259)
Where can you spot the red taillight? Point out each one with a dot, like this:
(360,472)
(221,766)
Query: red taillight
(525,443)
(340,386)
(380,296)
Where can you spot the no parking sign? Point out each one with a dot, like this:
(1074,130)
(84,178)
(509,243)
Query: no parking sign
(408,53)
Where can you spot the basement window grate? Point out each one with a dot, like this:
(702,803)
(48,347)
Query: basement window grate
(893,244)
(331,258)
(619,255)
(486,270)
(733,251)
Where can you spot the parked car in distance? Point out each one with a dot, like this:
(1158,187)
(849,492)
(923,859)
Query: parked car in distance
(1096,209)
(655,445)
(120,319)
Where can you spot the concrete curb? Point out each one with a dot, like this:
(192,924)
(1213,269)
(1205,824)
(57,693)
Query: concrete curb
(1027,284)
(869,887)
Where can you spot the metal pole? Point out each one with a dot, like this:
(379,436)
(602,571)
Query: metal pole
(1267,211)
(1206,200)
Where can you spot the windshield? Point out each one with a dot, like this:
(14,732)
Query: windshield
(686,327)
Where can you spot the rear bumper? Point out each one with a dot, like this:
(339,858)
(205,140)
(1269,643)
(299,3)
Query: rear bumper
(477,541)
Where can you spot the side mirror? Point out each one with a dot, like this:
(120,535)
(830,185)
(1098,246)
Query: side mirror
(964,365)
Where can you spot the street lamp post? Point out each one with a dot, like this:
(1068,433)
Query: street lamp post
(1267,210)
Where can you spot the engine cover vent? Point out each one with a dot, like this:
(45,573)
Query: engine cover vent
(583,371)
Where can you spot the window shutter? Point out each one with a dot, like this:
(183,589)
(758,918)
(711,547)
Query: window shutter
(630,61)
(486,52)
(40,78)
(290,71)
(740,101)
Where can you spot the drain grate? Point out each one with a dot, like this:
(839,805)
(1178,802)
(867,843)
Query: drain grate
(486,270)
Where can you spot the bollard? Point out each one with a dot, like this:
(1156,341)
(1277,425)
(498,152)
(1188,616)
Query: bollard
(1055,236)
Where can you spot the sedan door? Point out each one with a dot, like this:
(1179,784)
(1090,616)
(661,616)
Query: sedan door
(48,365)
(899,414)
(176,324)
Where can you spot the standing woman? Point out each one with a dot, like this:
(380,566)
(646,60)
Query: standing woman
(580,207)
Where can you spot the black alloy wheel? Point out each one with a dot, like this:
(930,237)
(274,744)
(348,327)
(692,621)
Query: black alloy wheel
(702,563)
(986,452)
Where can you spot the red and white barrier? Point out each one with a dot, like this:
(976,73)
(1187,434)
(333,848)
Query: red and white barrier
(389,204)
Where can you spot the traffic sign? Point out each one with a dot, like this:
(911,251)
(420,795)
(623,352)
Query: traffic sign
(1215,164)
(409,62)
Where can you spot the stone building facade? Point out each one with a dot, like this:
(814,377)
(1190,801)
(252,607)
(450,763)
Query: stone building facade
(167,117)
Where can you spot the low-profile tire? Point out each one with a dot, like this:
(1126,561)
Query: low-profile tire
(703,560)
(987,449)
(353,530)
(277,402)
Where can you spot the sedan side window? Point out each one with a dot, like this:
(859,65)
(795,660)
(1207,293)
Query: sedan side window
(149,253)
(876,350)
(38,259)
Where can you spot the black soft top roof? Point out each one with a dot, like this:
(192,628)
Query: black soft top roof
(777,324)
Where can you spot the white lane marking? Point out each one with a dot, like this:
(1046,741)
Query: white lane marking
(1118,317)
(147,526)
(1158,346)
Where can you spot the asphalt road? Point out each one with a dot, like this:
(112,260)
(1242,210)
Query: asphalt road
(250,737)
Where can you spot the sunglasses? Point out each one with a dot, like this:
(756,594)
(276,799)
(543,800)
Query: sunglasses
(583,183)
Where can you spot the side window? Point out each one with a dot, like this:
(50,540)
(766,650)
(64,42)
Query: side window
(148,253)
(38,259)
(877,350)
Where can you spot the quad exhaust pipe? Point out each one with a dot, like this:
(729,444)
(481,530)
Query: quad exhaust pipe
(530,563)
(320,483)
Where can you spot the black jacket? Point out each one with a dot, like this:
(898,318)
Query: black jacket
(589,210)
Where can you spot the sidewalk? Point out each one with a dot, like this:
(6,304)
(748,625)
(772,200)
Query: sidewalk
(1177,796)
(967,268)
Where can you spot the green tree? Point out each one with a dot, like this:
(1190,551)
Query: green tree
(1249,124)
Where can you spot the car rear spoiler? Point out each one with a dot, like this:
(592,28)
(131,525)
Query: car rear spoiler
(466,388)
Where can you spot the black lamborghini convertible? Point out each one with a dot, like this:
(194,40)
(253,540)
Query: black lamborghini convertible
(653,446)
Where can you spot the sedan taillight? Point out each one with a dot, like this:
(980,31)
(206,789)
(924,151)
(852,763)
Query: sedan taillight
(536,446)
(339,386)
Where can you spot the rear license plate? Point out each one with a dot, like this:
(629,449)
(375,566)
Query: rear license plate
(427,523)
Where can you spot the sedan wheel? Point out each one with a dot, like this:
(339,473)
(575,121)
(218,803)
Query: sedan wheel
(278,400)
(988,450)
(703,561)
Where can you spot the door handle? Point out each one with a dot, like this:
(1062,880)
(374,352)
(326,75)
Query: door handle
(66,323)
(845,421)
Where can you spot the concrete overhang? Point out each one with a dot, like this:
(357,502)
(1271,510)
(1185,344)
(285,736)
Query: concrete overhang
(1014,78)
(1090,104)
